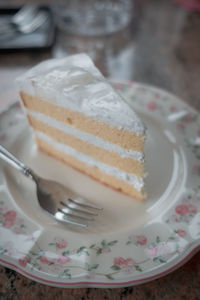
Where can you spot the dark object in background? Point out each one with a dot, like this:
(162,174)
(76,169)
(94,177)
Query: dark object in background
(41,39)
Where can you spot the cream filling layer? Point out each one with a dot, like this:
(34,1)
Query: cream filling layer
(74,82)
(92,139)
(131,179)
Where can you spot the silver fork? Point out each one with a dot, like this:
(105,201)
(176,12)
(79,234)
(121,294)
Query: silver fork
(53,197)
(24,15)
(27,12)
(28,19)
(40,18)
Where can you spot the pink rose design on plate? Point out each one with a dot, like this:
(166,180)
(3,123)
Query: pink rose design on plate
(161,249)
(105,250)
(184,209)
(9,218)
(60,243)
(126,264)
(63,259)
(119,261)
(181,209)
(152,105)
(45,260)
(181,232)
(23,262)
(141,239)
(152,251)
(137,240)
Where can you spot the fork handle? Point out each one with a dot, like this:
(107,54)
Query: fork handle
(15,163)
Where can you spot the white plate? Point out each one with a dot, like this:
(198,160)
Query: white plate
(130,242)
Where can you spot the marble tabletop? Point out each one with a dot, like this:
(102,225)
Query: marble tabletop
(160,48)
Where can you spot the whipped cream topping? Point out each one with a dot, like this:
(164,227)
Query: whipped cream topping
(88,137)
(131,179)
(74,82)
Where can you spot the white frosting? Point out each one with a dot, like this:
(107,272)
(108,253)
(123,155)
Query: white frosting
(88,137)
(131,179)
(74,82)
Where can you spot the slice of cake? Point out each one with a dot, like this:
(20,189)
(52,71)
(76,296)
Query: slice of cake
(79,118)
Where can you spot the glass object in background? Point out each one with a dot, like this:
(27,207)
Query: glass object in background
(113,54)
(93,17)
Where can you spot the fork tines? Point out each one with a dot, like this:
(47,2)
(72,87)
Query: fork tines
(76,212)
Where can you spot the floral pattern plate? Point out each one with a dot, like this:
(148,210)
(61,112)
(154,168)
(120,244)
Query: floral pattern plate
(130,242)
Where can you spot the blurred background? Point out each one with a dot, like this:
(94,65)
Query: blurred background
(156,42)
